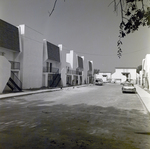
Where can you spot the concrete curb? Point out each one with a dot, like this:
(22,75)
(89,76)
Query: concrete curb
(10,95)
(144,96)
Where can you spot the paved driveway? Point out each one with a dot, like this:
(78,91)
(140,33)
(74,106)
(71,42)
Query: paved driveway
(89,117)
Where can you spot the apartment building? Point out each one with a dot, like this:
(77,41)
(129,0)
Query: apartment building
(31,57)
(105,76)
(122,74)
(10,50)
(75,68)
(88,71)
(28,61)
(51,65)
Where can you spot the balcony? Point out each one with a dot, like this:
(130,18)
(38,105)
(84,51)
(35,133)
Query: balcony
(15,65)
(50,70)
(74,72)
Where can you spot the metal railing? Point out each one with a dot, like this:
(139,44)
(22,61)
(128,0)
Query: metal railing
(52,70)
(72,72)
(56,78)
(15,65)
(16,80)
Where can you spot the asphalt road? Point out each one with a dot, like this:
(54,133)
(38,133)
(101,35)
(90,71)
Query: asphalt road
(91,117)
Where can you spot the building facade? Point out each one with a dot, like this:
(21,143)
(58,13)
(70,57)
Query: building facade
(10,58)
(28,61)
(144,75)
(123,74)
(75,68)
(31,57)
(105,76)
(51,65)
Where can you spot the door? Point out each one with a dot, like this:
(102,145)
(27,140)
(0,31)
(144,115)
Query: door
(50,79)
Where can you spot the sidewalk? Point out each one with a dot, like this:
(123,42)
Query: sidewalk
(145,97)
(9,95)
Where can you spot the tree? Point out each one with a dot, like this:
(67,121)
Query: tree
(134,13)
(50,13)
(138,69)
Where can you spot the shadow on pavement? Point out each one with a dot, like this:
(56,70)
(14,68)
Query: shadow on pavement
(73,127)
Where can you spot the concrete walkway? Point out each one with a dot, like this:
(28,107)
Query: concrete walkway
(9,95)
(145,97)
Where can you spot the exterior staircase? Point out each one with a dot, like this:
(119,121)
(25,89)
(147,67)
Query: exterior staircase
(14,83)
(56,80)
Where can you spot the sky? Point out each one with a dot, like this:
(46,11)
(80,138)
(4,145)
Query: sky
(89,27)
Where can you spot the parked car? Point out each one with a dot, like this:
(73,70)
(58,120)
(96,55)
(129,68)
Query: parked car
(98,82)
(128,81)
(128,87)
(122,83)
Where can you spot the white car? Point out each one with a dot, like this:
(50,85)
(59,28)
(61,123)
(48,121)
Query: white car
(128,87)
(98,82)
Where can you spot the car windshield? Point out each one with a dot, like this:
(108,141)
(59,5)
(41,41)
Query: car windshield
(128,84)
(99,80)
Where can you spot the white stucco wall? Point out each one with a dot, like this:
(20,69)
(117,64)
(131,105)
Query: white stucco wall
(86,69)
(45,54)
(85,65)
(147,63)
(10,55)
(63,64)
(72,59)
(32,58)
(100,75)
(118,74)
(146,72)
(69,58)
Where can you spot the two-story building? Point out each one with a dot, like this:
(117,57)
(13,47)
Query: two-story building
(51,65)
(75,68)
(10,58)
(28,61)
(122,74)
(31,57)
(88,71)
(105,76)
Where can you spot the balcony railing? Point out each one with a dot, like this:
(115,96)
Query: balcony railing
(75,72)
(51,70)
(16,80)
(72,72)
(15,65)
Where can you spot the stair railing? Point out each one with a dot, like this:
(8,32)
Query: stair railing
(54,78)
(16,80)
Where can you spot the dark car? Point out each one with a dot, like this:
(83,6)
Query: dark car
(98,82)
